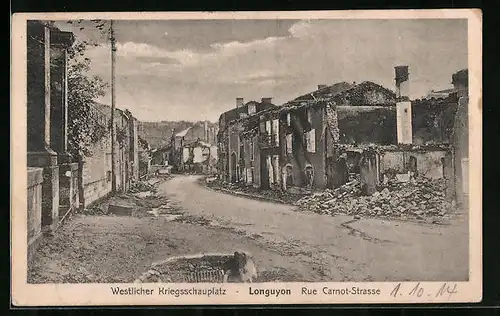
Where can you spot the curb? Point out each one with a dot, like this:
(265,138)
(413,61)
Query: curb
(248,195)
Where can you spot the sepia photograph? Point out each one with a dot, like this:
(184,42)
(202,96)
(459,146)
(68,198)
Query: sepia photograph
(256,150)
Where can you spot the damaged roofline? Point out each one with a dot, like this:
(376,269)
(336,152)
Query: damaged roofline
(398,147)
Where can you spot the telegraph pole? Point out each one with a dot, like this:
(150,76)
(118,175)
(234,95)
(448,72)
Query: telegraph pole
(113,101)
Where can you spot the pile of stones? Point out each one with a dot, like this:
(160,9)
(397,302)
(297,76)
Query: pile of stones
(142,186)
(329,201)
(416,199)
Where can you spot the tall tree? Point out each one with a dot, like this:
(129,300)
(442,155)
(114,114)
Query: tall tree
(84,129)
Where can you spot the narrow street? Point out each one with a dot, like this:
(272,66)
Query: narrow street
(287,245)
(321,247)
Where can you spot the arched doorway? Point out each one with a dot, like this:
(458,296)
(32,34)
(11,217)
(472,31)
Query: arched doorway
(287,176)
(233,167)
(309,172)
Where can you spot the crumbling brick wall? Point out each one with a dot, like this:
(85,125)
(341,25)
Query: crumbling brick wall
(429,164)
(367,124)
(432,121)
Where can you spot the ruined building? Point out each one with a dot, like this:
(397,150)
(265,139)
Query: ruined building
(231,148)
(58,182)
(320,139)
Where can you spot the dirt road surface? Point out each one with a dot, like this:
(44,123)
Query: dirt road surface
(287,245)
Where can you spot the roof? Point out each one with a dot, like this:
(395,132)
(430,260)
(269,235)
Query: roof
(234,114)
(448,99)
(326,91)
(441,94)
(398,147)
(352,94)
(183,133)
(342,94)
(167,147)
(451,90)
(199,143)
(106,110)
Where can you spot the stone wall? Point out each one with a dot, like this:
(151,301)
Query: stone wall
(367,124)
(50,197)
(461,157)
(429,164)
(432,121)
(96,173)
(196,132)
(34,207)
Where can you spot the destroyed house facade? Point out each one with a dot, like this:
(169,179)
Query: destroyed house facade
(342,132)
(198,157)
(425,146)
(314,124)
(183,141)
(231,148)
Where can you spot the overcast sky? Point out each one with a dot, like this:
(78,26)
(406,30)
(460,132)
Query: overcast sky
(194,70)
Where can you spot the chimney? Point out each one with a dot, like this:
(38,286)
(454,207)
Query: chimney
(321,86)
(402,83)
(206,131)
(239,102)
(403,106)
(266,100)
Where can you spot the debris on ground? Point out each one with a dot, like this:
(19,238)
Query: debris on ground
(142,186)
(280,195)
(420,198)
(141,200)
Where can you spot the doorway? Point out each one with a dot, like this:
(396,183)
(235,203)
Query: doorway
(233,164)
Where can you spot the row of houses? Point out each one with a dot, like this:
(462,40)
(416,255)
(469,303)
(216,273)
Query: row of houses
(57,182)
(316,140)
(191,150)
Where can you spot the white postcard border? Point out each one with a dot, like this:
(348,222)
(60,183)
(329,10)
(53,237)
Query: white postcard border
(24,294)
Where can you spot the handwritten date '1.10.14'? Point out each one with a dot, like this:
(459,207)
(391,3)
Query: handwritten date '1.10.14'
(446,290)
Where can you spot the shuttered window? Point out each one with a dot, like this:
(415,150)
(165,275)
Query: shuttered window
(276,167)
(268,127)
(270,169)
(249,175)
(276,132)
(311,141)
(289,144)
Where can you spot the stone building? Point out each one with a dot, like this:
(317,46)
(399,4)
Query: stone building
(320,139)
(200,133)
(313,124)
(429,142)
(199,157)
(49,164)
(96,168)
(231,149)
(57,183)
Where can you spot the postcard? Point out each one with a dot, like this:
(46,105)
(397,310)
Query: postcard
(206,158)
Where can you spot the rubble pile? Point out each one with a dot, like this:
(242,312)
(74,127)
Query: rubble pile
(416,199)
(326,201)
(284,196)
(142,186)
